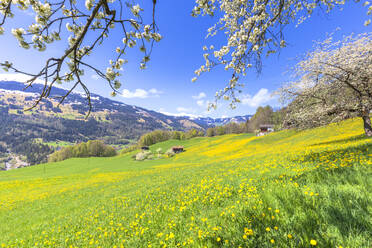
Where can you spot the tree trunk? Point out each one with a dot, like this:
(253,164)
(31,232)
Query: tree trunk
(367,123)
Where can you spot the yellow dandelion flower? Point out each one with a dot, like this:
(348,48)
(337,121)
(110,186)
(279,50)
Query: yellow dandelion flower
(289,236)
(218,239)
(272,241)
(248,231)
(313,242)
(267,229)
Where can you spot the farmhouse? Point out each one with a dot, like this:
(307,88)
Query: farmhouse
(145,148)
(177,149)
(265,129)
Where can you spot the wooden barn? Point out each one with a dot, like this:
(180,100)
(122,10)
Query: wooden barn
(265,129)
(178,149)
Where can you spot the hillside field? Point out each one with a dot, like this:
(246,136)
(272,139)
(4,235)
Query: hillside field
(307,188)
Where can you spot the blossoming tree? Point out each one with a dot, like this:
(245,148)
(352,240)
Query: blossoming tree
(253,29)
(332,82)
(96,18)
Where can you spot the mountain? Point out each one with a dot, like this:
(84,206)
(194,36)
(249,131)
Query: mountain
(13,95)
(31,135)
(212,122)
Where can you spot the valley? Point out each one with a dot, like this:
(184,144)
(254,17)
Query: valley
(48,127)
(289,188)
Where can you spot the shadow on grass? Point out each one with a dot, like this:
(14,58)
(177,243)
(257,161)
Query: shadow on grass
(334,155)
(344,202)
(355,138)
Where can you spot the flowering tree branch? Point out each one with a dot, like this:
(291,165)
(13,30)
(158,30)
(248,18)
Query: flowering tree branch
(98,18)
(254,29)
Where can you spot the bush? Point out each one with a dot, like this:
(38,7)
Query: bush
(178,135)
(109,152)
(154,137)
(129,149)
(210,132)
(169,153)
(143,155)
(220,130)
(92,148)
(157,136)
(192,133)
(230,128)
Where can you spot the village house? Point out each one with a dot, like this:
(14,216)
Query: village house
(265,129)
(177,149)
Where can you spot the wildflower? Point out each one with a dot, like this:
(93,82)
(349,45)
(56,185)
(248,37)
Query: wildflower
(267,229)
(313,242)
(272,241)
(248,231)
(289,236)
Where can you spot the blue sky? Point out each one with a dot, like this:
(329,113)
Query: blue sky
(166,85)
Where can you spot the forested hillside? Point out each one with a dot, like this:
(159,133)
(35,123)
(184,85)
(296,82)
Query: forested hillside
(34,134)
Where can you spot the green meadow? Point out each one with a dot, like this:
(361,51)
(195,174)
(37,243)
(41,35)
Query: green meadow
(308,188)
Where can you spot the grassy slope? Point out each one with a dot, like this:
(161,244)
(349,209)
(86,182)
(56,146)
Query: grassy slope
(231,191)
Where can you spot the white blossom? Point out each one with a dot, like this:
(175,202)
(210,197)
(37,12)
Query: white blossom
(89,4)
(110,74)
(18,33)
(136,9)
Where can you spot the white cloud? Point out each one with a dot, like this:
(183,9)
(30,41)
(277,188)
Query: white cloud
(17,77)
(200,96)
(161,110)
(23,79)
(182,109)
(155,91)
(95,77)
(140,93)
(261,97)
(200,103)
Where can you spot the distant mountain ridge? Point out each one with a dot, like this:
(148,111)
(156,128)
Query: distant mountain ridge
(211,122)
(100,103)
